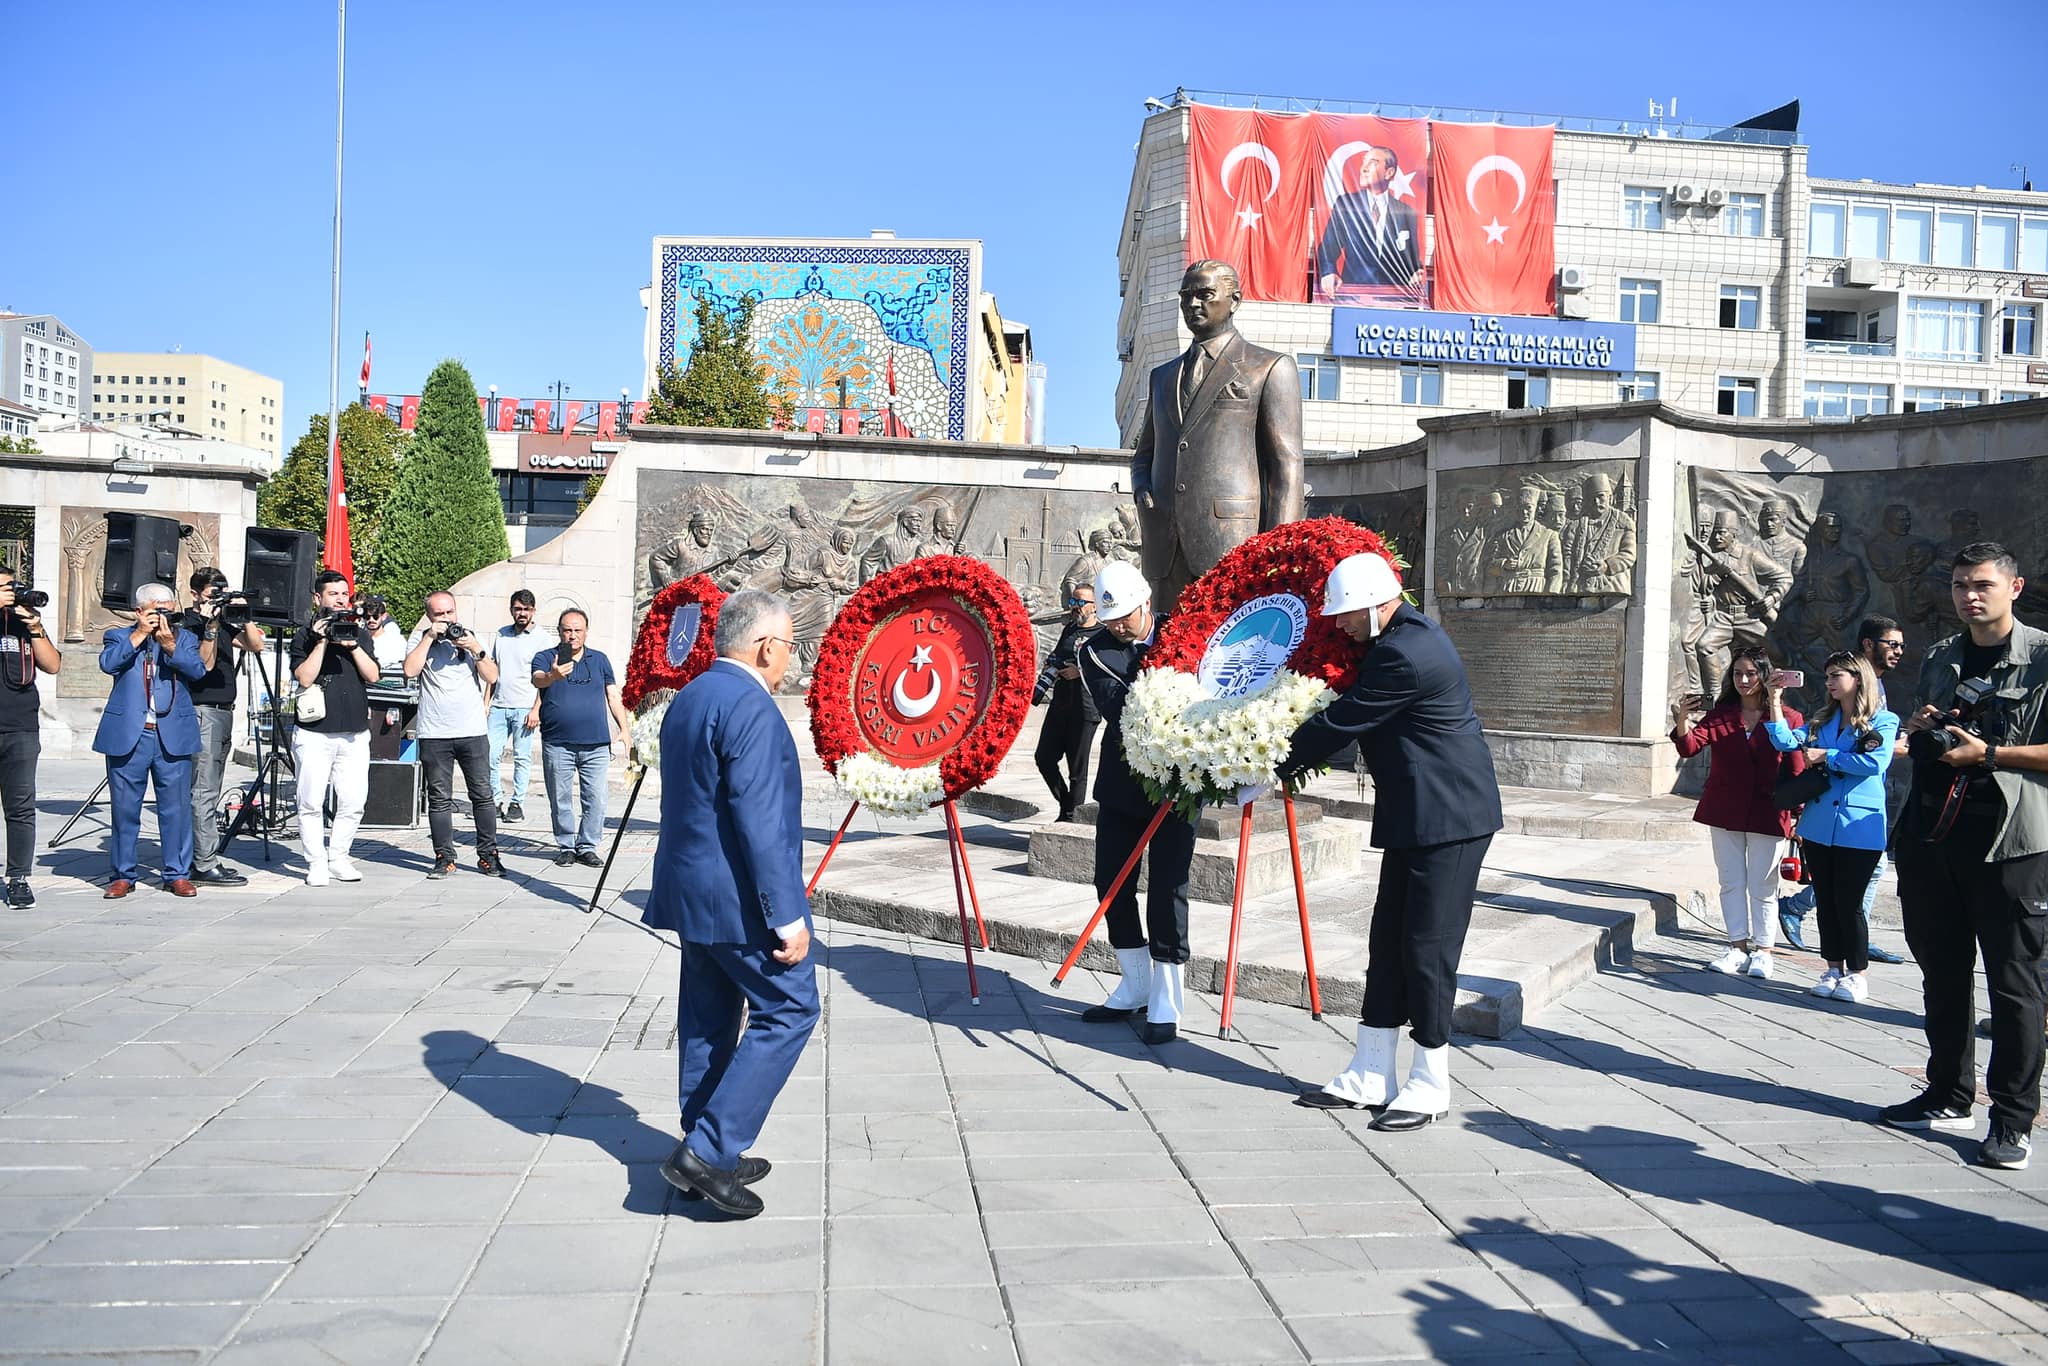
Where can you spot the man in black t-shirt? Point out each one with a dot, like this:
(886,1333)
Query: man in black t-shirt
(213,701)
(25,650)
(332,749)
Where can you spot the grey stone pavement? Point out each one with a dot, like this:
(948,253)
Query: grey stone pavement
(408,1121)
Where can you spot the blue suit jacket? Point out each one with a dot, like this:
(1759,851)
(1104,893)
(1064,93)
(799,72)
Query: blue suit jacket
(728,867)
(1411,713)
(177,730)
(1851,813)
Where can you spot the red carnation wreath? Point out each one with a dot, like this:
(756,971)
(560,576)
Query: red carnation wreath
(929,662)
(661,664)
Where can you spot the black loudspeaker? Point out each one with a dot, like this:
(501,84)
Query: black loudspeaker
(277,573)
(140,549)
(394,800)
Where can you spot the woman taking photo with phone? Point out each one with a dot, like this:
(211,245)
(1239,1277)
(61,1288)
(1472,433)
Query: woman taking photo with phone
(1749,831)
(1842,829)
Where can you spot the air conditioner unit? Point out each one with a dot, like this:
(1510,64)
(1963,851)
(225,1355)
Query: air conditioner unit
(1685,194)
(1715,197)
(1571,279)
(1862,272)
(1124,348)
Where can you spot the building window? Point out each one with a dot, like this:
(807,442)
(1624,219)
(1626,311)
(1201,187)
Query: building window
(1735,395)
(1642,206)
(1630,385)
(1998,242)
(2020,330)
(2034,246)
(1925,398)
(1830,398)
(1318,377)
(1825,224)
(1869,227)
(1639,301)
(1945,329)
(1742,306)
(1954,239)
(547,496)
(2014,395)
(1744,216)
(1422,384)
(181,381)
(1528,388)
(1912,236)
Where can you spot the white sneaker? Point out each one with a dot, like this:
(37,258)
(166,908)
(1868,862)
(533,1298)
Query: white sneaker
(1760,965)
(1826,985)
(343,870)
(1852,988)
(316,877)
(1732,961)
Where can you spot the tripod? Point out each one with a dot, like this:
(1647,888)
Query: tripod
(88,804)
(262,800)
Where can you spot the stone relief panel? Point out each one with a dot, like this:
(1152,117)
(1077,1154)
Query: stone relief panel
(75,595)
(1399,517)
(1548,530)
(817,540)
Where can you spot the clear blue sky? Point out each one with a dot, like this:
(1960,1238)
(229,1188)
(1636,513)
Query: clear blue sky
(508,163)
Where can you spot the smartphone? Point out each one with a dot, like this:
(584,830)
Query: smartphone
(1788,678)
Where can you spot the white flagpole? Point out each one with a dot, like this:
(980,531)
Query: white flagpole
(334,329)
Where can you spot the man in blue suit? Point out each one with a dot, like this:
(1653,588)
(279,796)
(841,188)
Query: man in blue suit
(150,732)
(728,879)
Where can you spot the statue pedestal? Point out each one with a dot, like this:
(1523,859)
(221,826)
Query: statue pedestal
(1329,849)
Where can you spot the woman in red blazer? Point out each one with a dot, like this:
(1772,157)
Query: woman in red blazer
(1749,831)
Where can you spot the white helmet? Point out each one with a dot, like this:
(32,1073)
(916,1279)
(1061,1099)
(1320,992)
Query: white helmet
(1119,591)
(1360,581)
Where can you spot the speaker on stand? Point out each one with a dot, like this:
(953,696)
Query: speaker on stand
(140,549)
(277,573)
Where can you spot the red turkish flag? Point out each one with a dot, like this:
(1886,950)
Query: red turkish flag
(572,413)
(1496,216)
(335,552)
(483,410)
(408,412)
(379,404)
(1248,198)
(607,421)
(542,411)
(814,419)
(640,412)
(1369,207)
(508,414)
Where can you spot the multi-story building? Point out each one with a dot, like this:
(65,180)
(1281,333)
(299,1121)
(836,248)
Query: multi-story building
(1749,289)
(193,393)
(44,365)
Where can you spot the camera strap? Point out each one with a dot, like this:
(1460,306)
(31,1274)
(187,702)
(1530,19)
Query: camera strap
(1951,807)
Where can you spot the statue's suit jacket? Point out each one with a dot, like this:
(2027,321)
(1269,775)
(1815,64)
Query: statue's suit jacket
(1224,470)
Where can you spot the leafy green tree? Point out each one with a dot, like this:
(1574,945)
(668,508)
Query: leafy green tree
(26,445)
(296,496)
(444,520)
(725,384)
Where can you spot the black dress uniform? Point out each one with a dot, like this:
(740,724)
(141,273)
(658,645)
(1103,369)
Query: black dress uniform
(1070,722)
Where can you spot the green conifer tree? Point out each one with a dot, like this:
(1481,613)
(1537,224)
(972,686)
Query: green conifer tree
(444,520)
(296,496)
(724,384)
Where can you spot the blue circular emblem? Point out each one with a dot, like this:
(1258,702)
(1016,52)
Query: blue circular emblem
(1252,644)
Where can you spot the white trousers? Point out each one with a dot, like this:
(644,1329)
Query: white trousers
(1748,867)
(339,761)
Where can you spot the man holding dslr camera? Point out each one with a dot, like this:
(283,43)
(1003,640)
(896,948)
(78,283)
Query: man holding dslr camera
(219,621)
(25,650)
(331,662)
(1972,856)
(453,670)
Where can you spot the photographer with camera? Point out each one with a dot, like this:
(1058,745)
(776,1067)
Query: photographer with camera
(1070,721)
(220,621)
(1972,856)
(453,669)
(331,662)
(149,734)
(25,650)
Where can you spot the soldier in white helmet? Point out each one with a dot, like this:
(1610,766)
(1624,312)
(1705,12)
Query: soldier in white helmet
(1436,806)
(1153,956)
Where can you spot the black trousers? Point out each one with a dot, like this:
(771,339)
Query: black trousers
(1167,860)
(1067,734)
(1840,877)
(1956,904)
(1418,935)
(19,751)
(439,758)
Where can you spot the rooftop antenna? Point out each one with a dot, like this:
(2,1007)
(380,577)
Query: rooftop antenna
(2026,182)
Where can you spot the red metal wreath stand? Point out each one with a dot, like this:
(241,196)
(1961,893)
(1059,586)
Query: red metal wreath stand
(963,884)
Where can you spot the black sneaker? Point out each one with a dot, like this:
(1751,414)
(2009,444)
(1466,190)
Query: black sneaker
(589,859)
(442,868)
(18,893)
(515,812)
(490,866)
(2007,1148)
(566,858)
(1922,1112)
(220,875)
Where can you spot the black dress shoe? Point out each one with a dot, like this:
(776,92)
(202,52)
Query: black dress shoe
(727,1193)
(1878,955)
(565,859)
(749,1170)
(1105,1014)
(589,859)
(1323,1100)
(220,875)
(1401,1121)
(1157,1033)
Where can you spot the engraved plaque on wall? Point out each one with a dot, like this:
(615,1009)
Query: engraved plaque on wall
(1554,671)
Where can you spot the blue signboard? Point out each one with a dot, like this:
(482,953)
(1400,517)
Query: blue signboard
(1481,339)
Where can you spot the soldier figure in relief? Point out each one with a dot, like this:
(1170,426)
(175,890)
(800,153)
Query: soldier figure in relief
(1526,557)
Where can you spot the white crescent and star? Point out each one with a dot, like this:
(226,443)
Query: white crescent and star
(911,708)
(1248,215)
(1495,231)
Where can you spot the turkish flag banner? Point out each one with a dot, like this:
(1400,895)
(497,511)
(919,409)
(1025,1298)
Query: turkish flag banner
(572,413)
(607,421)
(379,404)
(508,414)
(1368,211)
(1496,216)
(483,410)
(1248,197)
(542,411)
(849,422)
(640,411)
(408,412)
(814,419)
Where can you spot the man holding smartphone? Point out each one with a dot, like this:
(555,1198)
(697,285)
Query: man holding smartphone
(582,720)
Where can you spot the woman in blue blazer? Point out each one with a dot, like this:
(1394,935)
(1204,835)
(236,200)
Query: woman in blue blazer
(1842,830)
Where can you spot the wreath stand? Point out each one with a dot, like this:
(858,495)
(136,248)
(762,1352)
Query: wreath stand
(963,885)
(1244,844)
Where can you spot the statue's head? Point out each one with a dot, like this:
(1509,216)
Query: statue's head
(803,516)
(945,521)
(1599,493)
(1554,512)
(1770,519)
(911,520)
(1526,503)
(1099,541)
(1965,525)
(1725,530)
(1828,526)
(842,539)
(1575,498)
(703,527)
(1898,519)
(1209,295)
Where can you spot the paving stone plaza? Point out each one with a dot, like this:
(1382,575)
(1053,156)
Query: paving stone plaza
(405,1121)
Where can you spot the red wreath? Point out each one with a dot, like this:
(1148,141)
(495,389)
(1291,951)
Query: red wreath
(1296,558)
(648,669)
(1013,659)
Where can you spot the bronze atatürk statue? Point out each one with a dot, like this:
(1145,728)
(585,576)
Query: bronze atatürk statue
(1219,459)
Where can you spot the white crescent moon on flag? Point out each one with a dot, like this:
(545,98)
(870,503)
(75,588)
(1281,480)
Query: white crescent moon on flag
(1239,153)
(913,707)
(1333,169)
(1496,162)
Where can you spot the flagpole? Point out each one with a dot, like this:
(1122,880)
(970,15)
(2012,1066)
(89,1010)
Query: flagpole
(334,323)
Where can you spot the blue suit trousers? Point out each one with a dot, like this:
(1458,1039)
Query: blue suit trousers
(729,1077)
(128,779)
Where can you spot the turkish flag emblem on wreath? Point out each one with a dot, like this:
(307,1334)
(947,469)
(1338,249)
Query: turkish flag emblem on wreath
(1496,212)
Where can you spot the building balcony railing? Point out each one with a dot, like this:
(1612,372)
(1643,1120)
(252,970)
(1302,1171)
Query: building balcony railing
(1653,127)
(1851,348)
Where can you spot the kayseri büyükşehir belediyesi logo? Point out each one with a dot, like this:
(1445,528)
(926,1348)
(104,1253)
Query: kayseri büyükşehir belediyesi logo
(1252,644)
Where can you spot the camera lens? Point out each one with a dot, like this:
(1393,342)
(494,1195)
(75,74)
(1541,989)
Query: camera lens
(32,598)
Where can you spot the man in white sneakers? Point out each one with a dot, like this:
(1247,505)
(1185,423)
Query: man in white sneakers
(331,661)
